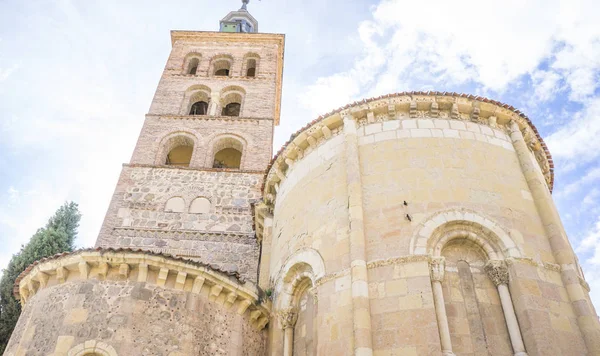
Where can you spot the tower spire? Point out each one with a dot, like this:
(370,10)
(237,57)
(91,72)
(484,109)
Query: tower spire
(244,4)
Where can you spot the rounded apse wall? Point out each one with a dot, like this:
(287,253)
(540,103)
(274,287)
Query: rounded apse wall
(132,303)
(378,192)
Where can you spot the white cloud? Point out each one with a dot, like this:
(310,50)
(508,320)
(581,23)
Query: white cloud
(456,44)
(590,246)
(591,176)
(546,84)
(6,72)
(578,139)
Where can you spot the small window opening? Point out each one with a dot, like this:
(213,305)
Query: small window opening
(175,205)
(200,206)
(193,67)
(251,71)
(222,73)
(199,108)
(231,109)
(180,156)
(228,158)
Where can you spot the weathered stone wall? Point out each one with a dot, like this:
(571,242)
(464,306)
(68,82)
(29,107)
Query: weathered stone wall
(135,303)
(133,318)
(222,237)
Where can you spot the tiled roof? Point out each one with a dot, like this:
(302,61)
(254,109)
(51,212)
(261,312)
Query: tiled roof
(102,250)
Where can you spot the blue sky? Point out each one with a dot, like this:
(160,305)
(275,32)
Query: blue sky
(77,77)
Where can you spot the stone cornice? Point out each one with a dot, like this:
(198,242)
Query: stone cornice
(202,169)
(209,118)
(227,37)
(213,236)
(450,106)
(135,266)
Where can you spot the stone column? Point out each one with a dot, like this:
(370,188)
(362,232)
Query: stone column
(498,273)
(361,310)
(436,267)
(215,99)
(287,319)
(587,320)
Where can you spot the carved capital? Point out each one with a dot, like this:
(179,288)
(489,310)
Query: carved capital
(514,126)
(288,317)
(437,268)
(497,271)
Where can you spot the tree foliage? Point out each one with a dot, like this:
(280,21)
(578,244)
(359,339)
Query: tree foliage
(57,236)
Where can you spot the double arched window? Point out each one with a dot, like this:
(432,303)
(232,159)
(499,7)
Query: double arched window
(199,205)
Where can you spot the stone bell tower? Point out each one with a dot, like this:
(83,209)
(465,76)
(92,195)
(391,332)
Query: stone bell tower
(200,159)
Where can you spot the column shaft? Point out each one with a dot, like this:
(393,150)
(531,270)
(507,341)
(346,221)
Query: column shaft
(442,318)
(363,345)
(511,321)
(288,341)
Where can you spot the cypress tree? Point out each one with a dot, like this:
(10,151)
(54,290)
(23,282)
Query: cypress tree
(56,237)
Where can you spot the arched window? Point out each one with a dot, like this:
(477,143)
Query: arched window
(222,72)
(175,205)
(200,205)
(228,158)
(227,153)
(231,101)
(473,294)
(222,66)
(193,66)
(251,68)
(180,156)
(231,109)
(197,100)
(179,151)
(199,108)
(92,348)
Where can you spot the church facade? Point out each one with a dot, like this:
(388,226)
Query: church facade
(417,223)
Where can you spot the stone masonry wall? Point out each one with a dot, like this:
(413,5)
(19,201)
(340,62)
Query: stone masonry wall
(260,90)
(435,165)
(254,135)
(223,237)
(132,318)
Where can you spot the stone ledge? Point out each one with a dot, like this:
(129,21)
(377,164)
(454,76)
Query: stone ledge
(202,169)
(135,266)
(208,118)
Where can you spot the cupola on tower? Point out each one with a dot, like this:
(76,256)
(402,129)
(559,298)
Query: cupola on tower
(202,152)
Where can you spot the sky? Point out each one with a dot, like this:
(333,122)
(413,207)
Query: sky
(77,77)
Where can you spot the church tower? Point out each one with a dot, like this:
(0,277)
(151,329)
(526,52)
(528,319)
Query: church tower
(174,269)
(201,155)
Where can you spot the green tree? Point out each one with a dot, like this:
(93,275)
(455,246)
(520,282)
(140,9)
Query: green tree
(56,237)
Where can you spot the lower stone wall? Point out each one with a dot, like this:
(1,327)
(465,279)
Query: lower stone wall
(131,318)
